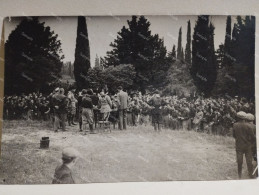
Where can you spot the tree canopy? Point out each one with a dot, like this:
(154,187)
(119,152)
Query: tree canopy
(33,57)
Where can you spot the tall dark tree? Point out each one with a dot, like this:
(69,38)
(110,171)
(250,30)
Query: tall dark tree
(182,55)
(227,45)
(204,67)
(188,57)
(137,46)
(172,55)
(179,46)
(220,55)
(243,52)
(82,54)
(33,57)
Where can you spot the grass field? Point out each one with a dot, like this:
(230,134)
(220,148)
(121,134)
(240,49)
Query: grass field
(137,154)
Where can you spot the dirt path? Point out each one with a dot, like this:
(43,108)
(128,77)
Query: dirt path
(138,154)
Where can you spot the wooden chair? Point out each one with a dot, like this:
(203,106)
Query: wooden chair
(104,123)
(84,123)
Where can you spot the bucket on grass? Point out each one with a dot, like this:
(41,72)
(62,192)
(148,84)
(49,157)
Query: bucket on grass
(44,142)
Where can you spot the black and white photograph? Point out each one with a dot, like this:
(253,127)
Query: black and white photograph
(138,98)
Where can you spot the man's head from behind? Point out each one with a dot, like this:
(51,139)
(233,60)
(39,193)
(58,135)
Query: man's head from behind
(120,88)
(69,156)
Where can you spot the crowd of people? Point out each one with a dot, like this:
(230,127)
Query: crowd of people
(213,115)
(218,115)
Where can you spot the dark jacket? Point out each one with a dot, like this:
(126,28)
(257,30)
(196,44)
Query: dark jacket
(63,175)
(61,102)
(87,102)
(243,132)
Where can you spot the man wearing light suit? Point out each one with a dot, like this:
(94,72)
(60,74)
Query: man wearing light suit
(123,100)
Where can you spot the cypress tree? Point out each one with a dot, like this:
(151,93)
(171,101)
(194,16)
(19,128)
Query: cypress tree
(172,54)
(204,64)
(227,45)
(188,60)
(82,54)
(179,46)
(243,50)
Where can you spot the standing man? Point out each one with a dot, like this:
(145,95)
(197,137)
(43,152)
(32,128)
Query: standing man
(156,103)
(95,100)
(123,99)
(79,110)
(60,109)
(243,133)
(87,108)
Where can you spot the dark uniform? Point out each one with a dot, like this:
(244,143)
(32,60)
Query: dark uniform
(156,112)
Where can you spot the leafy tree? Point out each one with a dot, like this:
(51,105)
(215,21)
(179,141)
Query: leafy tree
(82,54)
(137,46)
(179,46)
(112,77)
(33,57)
(103,62)
(204,67)
(188,59)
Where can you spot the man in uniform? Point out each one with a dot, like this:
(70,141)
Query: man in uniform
(63,173)
(243,133)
